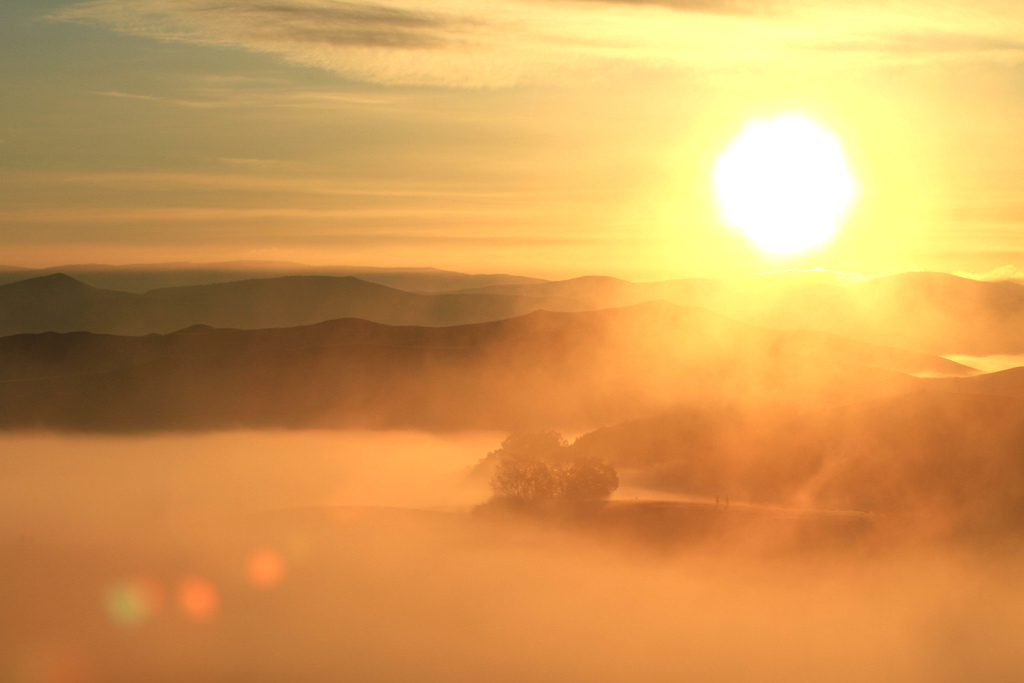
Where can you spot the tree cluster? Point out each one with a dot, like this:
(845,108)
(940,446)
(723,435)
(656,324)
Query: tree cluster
(537,467)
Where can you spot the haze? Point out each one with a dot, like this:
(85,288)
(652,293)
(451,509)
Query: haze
(553,138)
(528,340)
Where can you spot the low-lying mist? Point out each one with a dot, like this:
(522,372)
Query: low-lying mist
(58,487)
(357,556)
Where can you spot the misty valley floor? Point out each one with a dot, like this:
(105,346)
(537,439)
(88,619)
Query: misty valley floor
(380,570)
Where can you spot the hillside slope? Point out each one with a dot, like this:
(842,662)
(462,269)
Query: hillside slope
(542,369)
(144,277)
(933,313)
(933,458)
(60,303)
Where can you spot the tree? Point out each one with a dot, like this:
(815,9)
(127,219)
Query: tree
(523,478)
(543,446)
(588,478)
(536,467)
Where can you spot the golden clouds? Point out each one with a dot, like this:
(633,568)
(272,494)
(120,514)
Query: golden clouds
(468,43)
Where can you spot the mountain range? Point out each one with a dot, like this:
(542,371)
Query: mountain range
(575,370)
(778,391)
(932,313)
(146,276)
(60,303)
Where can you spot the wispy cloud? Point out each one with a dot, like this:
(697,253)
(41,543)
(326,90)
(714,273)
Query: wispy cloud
(323,22)
(499,42)
(228,98)
(304,186)
(935,45)
(736,7)
(349,37)
(180,215)
(1008,272)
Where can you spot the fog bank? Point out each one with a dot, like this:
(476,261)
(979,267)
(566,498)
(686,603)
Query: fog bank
(267,557)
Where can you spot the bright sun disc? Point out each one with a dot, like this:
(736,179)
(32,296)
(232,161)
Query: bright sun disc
(785,183)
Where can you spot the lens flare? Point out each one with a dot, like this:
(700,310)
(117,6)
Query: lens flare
(265,568)
(785,183)
(198,598)
(133,602)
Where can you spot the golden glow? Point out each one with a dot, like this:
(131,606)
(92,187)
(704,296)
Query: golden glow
(198,598)
(785,183)
(265,568)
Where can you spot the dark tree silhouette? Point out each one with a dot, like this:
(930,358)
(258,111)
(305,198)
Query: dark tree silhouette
(544,446)
(587,478)
(535,467)
(524,478)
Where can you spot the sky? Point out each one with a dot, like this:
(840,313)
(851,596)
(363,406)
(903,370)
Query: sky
(542,137)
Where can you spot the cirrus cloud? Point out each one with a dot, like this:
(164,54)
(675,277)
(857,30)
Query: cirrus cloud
(502,42)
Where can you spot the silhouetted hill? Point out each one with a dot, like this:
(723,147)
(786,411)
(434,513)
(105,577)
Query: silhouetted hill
(144,277)
(944,460)
(1004,383)
(598,292)
(929,312)
(932,313)
(542,369)
(301,300)
(59,303)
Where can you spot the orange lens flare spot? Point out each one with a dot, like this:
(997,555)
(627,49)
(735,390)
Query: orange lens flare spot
(133,602)
(198,598)
(265,568)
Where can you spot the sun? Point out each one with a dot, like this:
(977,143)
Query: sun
(785,183)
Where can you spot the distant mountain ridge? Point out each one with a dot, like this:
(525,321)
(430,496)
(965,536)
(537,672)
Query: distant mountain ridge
(577,369)
(144,277)
(933,313)
(60,303)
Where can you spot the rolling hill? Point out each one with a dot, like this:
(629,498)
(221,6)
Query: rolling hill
(140,278)
(931,313)
(942,460)
(934,313)
(60,303)
(1003,383)
(542,369)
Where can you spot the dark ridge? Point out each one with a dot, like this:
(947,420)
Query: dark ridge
(54,282)
(195,329)
(575,370)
